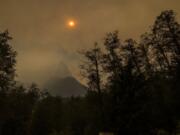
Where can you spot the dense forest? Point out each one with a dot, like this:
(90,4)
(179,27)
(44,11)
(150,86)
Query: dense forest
(133,88)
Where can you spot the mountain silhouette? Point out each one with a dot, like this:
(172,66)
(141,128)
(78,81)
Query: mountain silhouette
(65,87)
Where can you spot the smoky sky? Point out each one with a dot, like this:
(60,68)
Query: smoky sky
(47,47)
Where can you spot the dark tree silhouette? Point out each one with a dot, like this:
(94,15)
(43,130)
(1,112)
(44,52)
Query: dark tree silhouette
(7,61)
(92,70)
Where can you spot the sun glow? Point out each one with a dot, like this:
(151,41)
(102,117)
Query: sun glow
(71,23)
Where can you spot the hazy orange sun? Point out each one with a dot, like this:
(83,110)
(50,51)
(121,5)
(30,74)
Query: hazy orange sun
(71,23)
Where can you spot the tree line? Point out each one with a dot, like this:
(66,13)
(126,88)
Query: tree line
(132,88)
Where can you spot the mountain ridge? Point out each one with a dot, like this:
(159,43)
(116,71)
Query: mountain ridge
(65,87)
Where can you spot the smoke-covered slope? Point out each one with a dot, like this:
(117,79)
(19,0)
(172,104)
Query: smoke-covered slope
(65,87)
